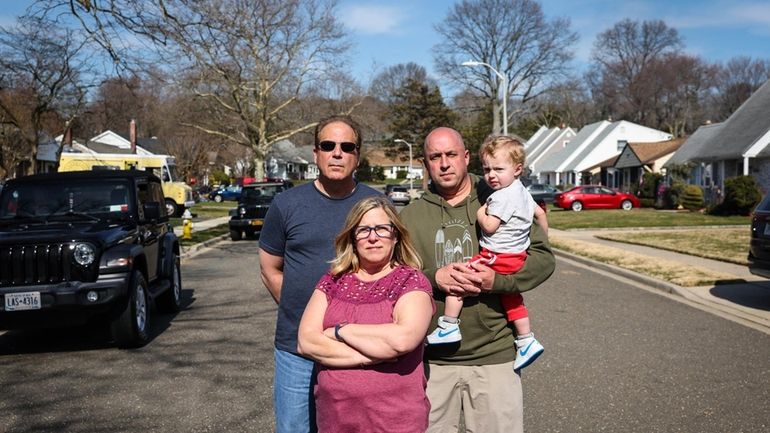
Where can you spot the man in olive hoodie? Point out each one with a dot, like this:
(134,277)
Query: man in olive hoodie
(475,375)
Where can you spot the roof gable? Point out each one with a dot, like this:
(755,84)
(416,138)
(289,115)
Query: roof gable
(743,129)
(606,144)
(583,137)
(694,145)
(560,137)
(638,154)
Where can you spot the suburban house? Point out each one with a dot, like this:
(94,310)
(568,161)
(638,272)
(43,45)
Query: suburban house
(112,142)
(393,165)
(576,161)
(48,155)
(287,161)
(626,170)
(545,142)
(738,146)
(108,142)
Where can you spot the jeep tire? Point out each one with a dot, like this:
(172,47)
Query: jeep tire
(170,301)
(129,329)
(235,235)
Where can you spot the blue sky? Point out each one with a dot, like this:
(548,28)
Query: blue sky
(400,31)
(388,32)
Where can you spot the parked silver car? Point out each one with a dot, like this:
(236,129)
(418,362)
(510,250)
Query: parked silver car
(399,194)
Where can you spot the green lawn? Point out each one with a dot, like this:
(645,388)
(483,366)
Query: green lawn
(725,244)
(645,217)
(204,235)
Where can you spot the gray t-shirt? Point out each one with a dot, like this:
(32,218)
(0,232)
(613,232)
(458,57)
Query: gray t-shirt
(300,226)
(515,207)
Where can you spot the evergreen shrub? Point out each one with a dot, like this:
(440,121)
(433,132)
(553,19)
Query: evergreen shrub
(742,194)
(692,198)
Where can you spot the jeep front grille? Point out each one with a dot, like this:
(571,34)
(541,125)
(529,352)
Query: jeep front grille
(35,264)
(256,212)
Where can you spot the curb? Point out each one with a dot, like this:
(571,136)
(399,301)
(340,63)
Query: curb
(193,250)
(664,286)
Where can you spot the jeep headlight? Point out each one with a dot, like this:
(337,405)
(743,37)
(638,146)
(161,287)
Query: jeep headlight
(242,211)
(84,254)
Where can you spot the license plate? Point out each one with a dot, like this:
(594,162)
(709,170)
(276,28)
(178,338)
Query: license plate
(22,301)
(256,222)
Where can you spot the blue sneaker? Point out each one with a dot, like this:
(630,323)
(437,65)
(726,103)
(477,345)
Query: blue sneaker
(445,333)
(527,352)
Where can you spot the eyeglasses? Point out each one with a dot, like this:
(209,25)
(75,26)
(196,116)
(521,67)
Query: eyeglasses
(346,146)
(381,230)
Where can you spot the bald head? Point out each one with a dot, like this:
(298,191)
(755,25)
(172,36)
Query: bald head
(444,133)
(447,162)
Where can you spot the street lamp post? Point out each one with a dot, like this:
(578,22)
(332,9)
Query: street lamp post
(504,81)
(398,140)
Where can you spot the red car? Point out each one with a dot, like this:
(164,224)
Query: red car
(594,197)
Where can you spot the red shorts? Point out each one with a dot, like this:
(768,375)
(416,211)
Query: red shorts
(506,263)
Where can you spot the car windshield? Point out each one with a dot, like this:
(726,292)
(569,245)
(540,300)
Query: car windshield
(262,191)
(49,200)
(764,205)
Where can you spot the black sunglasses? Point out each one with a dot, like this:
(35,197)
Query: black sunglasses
(346,146)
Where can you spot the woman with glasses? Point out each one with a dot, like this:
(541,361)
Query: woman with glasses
(365,325)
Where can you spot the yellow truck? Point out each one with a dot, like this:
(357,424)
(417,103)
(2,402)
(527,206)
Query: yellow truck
(178,194)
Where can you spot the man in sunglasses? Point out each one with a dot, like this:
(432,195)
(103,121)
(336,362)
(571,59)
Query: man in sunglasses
(296,245)
(474,376)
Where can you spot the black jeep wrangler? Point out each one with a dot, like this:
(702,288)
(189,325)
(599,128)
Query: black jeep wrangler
(255,199)
(88,246)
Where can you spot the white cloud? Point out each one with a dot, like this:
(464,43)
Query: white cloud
(724,14)
(373,19)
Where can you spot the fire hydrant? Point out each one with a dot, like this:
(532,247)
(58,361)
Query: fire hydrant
(187,224)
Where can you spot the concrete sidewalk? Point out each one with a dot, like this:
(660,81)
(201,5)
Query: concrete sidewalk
(747,302)
(190,251)
(199,225)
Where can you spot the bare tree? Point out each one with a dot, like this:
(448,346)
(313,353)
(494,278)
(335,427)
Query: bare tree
(388,82)
(248,60)
(566,103)
(735,82)
(514,37)
(622,55)
(40,86)
(680,84)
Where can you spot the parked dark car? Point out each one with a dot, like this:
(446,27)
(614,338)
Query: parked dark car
(595,197)
(87,247)
(248,217)
(201,193)
(759,245)
(542,192)
(399,194)
(232,192)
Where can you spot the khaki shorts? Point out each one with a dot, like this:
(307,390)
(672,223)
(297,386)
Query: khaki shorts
(489,395)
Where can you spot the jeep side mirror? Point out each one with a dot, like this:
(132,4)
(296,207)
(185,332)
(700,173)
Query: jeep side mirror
(152,211)
(233,212)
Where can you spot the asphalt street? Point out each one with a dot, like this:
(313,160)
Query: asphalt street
(619,357)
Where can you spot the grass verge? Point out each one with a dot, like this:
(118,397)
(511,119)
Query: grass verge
(685,276)
(725,244)
(204,235)
(636,218)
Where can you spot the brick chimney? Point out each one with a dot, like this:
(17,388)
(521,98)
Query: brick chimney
(132,135)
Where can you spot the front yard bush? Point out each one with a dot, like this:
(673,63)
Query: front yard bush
(673,195)
(647,202)
(692,198)
(742,194)
(649,186)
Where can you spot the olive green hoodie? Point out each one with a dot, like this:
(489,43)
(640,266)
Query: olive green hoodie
(445,234)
